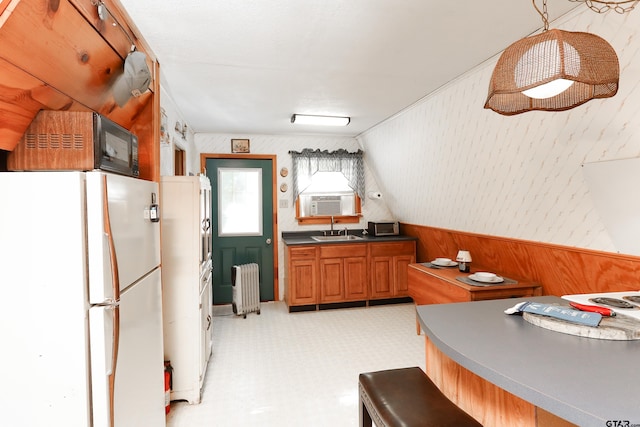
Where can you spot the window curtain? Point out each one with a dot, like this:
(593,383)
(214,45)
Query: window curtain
(308,162)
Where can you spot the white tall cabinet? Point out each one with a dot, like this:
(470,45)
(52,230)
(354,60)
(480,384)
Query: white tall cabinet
(186,276)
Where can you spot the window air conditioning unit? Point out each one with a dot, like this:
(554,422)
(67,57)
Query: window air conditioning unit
(326,205)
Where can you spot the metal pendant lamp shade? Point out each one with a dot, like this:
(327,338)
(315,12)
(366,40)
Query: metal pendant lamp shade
(586,63)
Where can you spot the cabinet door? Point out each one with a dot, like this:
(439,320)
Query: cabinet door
(382,277)
(401,267)
(206,319)
(355,278)
(332,280)
(303,282)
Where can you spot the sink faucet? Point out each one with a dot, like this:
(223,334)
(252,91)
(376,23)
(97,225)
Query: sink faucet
(332,225)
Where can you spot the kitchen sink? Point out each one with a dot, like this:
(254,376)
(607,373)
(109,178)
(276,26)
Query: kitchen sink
(335,238)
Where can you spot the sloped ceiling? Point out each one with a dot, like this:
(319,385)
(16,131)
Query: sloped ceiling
(247,66)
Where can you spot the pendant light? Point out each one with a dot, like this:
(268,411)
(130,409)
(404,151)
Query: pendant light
(555,70)
(603,6)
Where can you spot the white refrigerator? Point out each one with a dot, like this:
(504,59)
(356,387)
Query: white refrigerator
(81,318)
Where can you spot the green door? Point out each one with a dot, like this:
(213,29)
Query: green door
(242,217)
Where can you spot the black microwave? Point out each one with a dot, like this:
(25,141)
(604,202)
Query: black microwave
(75,140)
(382,228)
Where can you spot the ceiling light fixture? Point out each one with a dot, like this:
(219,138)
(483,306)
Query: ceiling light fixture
(304,119)
(553,71)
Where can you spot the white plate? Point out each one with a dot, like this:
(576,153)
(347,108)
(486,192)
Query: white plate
(451,264)
(496,279)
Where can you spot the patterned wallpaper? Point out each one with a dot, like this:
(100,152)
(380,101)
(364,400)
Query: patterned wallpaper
(280,146)
(449,163)
(170,139)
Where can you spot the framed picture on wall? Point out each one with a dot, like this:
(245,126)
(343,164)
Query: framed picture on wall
(164,135)
(239,145)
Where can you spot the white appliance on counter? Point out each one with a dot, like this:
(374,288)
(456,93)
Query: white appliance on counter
(186,277)
(625,302)
(81,318)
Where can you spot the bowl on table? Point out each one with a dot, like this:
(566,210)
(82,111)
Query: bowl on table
(444,262)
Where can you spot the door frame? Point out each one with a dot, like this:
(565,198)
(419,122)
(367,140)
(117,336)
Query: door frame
(274,214)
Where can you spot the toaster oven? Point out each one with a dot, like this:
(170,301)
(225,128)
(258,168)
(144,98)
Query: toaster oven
(383,228)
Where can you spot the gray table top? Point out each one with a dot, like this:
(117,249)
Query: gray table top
(583,380)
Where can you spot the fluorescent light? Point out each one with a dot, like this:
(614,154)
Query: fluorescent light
(304,119)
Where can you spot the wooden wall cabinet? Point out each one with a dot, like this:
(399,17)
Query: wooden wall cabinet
(389,264)
(59,55)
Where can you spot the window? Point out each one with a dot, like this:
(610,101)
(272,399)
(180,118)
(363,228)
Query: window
(328,194)
(327,184)
(239,202)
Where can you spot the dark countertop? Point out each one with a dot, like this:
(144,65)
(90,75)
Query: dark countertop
(583,380)
(292,238)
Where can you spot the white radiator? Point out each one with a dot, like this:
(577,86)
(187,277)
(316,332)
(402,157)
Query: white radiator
(245,282)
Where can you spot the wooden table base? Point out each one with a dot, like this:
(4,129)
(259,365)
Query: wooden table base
(484,401)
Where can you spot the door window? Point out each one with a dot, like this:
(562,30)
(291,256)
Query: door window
(239,202)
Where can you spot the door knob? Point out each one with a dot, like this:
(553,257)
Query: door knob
(268,241)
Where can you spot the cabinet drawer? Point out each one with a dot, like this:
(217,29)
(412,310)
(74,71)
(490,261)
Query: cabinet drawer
(503,293)
(392,248)
(302,252)
(343,251)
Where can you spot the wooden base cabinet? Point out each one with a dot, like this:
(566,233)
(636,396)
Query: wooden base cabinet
(483,400)
(356,278)
(343,273)
(186,277)
(389,264)
(326,274)
(440,286)
(301,283)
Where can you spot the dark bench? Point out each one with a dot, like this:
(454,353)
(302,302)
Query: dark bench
(407,397)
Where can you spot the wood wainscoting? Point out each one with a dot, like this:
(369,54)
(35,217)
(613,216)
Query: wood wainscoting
(484,401)
(559,269)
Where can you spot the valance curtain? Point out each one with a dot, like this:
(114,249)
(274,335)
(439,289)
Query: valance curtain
(308,162)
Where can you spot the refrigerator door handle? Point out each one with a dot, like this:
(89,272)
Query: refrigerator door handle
(103,319)
(116,298)
(114,362)
(109,235)
(111,348)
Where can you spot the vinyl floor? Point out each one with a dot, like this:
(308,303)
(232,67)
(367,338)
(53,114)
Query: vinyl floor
(298,369)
